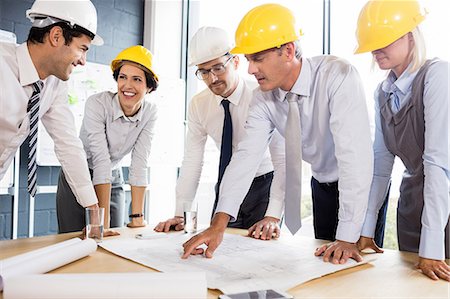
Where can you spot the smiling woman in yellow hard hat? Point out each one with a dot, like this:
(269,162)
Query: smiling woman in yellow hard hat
(114,125)
(412,122)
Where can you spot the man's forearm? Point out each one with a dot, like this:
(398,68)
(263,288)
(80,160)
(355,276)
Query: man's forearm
(220,221)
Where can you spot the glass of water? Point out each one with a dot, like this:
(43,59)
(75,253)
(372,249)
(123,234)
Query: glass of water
(94,223)
(190,217)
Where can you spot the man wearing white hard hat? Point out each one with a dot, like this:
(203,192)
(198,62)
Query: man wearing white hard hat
(220,111)
(32,89)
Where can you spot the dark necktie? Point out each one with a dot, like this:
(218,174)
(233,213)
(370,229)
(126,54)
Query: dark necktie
(227,137)
(293,148)
(33,109)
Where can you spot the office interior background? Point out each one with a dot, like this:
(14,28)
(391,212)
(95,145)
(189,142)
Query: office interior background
(165,27)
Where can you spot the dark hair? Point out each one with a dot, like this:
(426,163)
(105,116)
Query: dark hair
(149,78)
(36,35)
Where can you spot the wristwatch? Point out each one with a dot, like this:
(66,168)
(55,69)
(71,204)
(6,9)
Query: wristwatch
(136,215)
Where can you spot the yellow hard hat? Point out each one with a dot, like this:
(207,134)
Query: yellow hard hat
(382,22)
(137,54)
(264,27)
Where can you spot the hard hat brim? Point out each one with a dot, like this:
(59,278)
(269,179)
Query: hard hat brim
(97,41)
(209,58)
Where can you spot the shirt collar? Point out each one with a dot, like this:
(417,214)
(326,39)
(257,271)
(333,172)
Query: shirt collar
(235,97)
(118,112)
(402,84)
(301,86)
(27,71)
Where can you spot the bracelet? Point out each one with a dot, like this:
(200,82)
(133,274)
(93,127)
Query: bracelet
(136,215)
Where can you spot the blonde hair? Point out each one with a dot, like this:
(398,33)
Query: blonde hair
(419,53)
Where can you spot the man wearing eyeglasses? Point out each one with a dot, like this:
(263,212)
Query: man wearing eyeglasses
(220,111)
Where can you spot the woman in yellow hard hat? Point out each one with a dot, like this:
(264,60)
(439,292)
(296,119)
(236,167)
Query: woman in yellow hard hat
(114,125)
(412,122)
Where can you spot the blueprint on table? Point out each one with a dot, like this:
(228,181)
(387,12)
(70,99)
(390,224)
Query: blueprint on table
(239,264)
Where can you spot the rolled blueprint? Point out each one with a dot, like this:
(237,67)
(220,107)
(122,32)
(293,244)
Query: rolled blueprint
(107,285)
(21,258)
(45,259)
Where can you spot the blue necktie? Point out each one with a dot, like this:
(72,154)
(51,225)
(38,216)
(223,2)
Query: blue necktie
(227,140)
(395,99)
(33,110)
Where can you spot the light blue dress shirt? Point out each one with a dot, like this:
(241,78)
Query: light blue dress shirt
(335,138)
(436,156)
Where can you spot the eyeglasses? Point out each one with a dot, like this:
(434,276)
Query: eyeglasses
(217,70)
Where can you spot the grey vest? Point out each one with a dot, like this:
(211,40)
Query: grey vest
(404,137)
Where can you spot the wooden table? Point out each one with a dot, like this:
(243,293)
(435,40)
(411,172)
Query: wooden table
(392,275)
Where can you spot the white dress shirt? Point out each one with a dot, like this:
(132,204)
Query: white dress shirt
(335,138)
(16,78)
(108,135)
(436,160)
(205,118)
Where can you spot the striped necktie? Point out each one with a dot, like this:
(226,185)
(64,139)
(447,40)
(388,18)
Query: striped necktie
(227,140)
(33,109)
(293,149)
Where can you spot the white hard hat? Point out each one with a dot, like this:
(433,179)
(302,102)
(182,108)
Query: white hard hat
(80,13)
(208,43)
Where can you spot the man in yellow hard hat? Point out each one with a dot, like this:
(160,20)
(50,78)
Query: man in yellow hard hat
(32,89)
(318,105)
(114,125)
(226,100)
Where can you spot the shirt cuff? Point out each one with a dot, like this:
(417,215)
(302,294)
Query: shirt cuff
(230,211)
(432,244)
(138,176)
(368,229)
(140,181)
(101,175)
(179,210)
(275,208)
(348,232)
(86,196)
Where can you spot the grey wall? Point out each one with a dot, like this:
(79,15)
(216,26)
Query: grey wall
(120,24)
